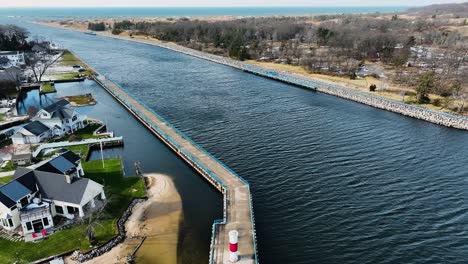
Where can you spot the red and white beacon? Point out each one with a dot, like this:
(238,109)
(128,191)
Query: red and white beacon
(233,248)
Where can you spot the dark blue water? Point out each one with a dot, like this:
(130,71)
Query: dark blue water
(92,13)
(333,181)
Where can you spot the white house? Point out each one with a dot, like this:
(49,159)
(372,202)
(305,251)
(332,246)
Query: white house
(32,133)
(56,119)
(16,58)
(60,118)
(35,196)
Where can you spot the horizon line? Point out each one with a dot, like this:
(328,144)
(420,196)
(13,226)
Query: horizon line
(207,6)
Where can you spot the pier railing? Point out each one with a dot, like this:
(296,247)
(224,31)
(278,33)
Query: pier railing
(189,158)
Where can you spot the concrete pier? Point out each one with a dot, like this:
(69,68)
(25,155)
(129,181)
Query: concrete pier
(238,210)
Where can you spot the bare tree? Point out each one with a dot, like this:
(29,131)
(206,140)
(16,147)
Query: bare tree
(39,62)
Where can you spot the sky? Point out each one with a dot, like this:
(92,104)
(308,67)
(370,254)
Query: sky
(204,3)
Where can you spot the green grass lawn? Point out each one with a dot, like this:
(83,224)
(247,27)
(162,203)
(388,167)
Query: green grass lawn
(65,76)
(47,87)
(84,133)
(81,150)
(6,179)
(2,117)
(84,99)
(68,59)
(119,190)
(9,167)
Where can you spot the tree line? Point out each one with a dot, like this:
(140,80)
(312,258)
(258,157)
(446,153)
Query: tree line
(13,38)
(331,44)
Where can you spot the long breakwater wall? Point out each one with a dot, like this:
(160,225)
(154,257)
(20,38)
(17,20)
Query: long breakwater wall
(237,200)
(436,117)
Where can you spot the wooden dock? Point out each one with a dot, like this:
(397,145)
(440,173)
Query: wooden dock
(238,210)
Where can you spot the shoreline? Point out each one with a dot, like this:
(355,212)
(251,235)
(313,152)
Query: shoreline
(153,227)
(418,112)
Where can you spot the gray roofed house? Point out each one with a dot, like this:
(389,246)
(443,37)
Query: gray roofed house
(35,196)
(31,133)
(58,187)
(60,118)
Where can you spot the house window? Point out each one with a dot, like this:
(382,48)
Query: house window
(28,226)
(71,209)
(45,221)
(59,209)
(24,201)
(13,208)
(4,222)
(74,118)
(10,222)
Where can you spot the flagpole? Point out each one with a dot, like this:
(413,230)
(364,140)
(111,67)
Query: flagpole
(102,155)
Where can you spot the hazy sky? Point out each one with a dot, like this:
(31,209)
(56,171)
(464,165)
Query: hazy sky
(11,3)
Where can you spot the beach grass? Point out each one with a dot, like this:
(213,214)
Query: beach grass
(119,191)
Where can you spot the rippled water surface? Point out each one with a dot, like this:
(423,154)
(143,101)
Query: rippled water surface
(333,181)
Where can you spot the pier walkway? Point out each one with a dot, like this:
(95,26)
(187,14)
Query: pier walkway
(76,143)
(238,210)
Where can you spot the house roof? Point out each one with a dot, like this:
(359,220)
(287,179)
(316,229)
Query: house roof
(14,190)
(36,128)
(21,156)
(6,201)
(71,156)
(56,106)
(27,178)
(9,53)
(54,186)
(63,113)
(60,109)
(61,164)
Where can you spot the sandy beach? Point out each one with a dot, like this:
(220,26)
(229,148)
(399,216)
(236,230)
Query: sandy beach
(157,219)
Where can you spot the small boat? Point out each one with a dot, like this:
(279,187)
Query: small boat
(90,33)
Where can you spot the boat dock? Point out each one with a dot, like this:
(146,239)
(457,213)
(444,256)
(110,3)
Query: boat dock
(114,141)
(237,212)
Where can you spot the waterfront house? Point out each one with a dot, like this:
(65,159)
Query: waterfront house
(31,133)
(60,118)
(21,159)
(35,197)
(16,58)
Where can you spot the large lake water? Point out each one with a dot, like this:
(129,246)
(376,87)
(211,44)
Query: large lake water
(83,13)
(333,181)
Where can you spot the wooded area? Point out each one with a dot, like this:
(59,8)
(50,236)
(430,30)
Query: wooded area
(339,45)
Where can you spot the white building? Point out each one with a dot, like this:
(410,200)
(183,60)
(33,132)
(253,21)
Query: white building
(57,119)
(16,58)
(32,133)
(60,118)
(34,197)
